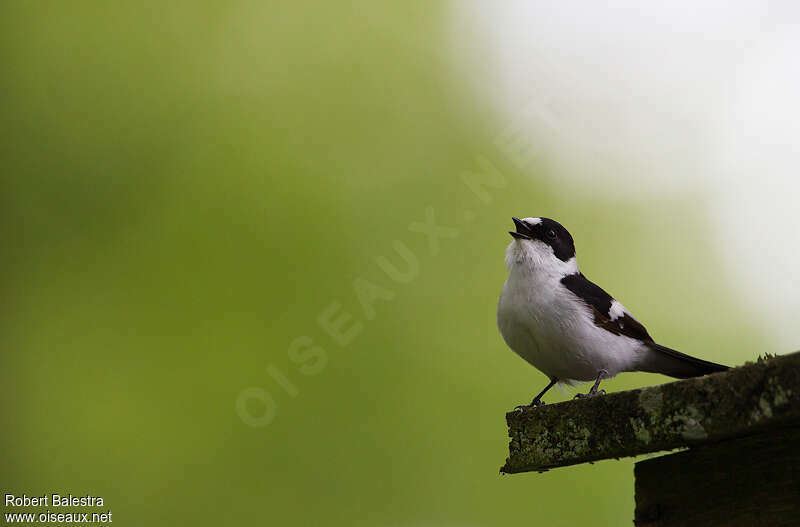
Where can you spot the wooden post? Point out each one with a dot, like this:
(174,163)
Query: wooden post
(742,428)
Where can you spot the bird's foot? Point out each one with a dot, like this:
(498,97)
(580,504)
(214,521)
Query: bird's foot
(594,391)
(590,393)
(534,404)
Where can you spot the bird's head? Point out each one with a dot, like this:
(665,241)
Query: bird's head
(543,244)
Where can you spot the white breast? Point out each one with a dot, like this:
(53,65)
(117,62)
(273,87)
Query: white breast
(548,326)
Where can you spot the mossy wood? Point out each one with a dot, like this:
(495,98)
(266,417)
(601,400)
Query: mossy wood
(743,401)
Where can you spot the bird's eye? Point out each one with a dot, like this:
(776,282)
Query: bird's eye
(551,234)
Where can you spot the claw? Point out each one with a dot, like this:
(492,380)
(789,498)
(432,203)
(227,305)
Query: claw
(533,404)
(590,394)
(594,391)
(537,401)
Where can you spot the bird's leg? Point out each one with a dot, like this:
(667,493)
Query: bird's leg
(594,391)
(537,401)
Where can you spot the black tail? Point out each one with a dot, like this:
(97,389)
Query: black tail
(676,364)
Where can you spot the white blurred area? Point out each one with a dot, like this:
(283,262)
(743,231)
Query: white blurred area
(652,100)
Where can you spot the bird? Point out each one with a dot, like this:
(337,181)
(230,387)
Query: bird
(568,327)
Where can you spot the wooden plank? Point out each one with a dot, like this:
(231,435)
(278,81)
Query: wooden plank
(742,401)
(753,481)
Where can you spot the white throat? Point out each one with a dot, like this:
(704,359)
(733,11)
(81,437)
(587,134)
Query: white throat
(536,257)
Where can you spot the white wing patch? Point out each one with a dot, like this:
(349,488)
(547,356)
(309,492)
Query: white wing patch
(617,310)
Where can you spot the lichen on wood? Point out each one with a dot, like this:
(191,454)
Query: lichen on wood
(739,402)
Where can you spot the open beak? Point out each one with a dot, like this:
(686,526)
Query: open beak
(522,232)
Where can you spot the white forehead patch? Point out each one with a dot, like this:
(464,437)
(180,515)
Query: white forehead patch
(617,310)
(532,221)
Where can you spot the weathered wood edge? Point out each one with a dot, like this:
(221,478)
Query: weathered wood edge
(739,402)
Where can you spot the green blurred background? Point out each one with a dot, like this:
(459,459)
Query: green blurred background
(187,186)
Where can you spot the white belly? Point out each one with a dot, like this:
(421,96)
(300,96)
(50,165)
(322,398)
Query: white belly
(554,333)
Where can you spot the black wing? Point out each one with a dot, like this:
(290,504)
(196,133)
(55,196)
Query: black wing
(666,360)
(601,303)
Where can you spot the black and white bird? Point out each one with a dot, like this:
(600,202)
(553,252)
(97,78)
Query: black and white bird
(566,326)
